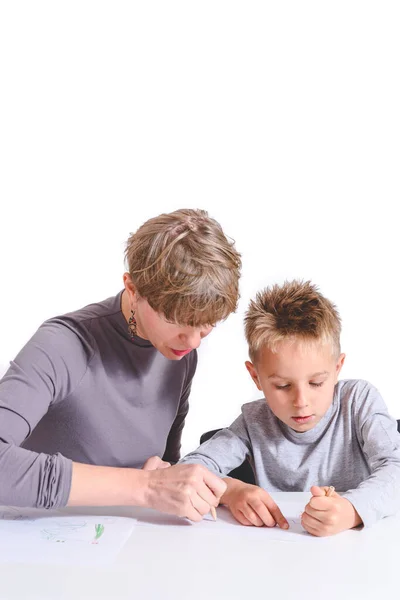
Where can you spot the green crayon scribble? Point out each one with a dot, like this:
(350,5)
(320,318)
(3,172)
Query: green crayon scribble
(99,529)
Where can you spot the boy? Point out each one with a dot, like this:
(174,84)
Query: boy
(310,430)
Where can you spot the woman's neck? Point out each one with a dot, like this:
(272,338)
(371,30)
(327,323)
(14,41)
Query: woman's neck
(125,306)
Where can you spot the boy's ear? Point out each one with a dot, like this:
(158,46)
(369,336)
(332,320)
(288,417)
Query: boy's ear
(253,374)
(339,365)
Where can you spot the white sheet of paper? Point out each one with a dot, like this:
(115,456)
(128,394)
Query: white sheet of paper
(54,537)
(227,524)
(291,511)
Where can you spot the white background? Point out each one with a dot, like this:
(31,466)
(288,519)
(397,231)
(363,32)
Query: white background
(279,118)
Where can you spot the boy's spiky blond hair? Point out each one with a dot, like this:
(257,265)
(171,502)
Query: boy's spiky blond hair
(295,310)
(185,267)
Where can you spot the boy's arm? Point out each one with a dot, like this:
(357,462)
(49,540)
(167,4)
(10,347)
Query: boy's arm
(232,487)
(379,495)
(225,451)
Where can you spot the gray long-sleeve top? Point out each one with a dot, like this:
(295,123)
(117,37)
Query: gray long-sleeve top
(81,390)
(355,447)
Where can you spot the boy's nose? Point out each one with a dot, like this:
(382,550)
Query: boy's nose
(300,399)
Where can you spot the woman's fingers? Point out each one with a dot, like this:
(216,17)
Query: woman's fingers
(201,507)
(184,490)
(155,462)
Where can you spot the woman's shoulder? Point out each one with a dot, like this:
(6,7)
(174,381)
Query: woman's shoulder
(96,310)
(74,331)
(80,321)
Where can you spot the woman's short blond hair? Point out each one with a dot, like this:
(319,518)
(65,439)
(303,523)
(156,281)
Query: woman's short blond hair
(185,267)
(295,310)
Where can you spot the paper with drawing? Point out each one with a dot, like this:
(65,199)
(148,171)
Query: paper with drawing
(37,536)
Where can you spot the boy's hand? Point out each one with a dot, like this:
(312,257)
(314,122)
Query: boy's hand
(251,505)
(325,515)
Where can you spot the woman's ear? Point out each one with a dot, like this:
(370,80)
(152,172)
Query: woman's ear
(130,290)
(253,374)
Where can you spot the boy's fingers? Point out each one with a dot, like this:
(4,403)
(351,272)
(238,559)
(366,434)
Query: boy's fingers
(239,516)
(275,512)
(318,490)
(264,514)
(312,512)
(310,521)
(320,503)
(314,530)
(252,516)
(314,527)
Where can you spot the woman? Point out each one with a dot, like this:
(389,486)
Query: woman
(97,396)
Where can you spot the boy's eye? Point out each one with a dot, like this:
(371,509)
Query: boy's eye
(283,387)
(316,384)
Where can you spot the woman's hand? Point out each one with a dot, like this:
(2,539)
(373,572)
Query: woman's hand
(325,515)
(183,490)
(155,462)
(251,505)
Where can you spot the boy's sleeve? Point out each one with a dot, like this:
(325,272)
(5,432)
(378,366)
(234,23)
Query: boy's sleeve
(225,451)
(379,495)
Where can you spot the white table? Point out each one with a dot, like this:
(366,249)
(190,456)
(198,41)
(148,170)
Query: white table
(171,559)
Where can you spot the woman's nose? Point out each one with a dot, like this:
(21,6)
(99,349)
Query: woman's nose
(191,339)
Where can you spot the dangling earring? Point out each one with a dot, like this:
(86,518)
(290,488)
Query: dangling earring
(132,325)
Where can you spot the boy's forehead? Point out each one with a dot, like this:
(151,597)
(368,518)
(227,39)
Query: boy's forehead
(309,357)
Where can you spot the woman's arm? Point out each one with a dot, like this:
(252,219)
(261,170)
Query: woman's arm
(182,490)
(45,371)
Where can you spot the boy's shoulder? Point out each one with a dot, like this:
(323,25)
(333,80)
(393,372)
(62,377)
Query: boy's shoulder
(256,410)
(360,399)
(354,391)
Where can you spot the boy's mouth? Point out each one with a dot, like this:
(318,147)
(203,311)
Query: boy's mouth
(302,420)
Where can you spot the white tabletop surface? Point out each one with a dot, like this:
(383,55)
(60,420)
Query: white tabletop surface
(169,558)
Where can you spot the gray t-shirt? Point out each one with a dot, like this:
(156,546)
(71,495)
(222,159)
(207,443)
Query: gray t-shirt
(355,447)
(81,390)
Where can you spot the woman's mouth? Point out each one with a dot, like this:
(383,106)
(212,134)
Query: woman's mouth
(181,352)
